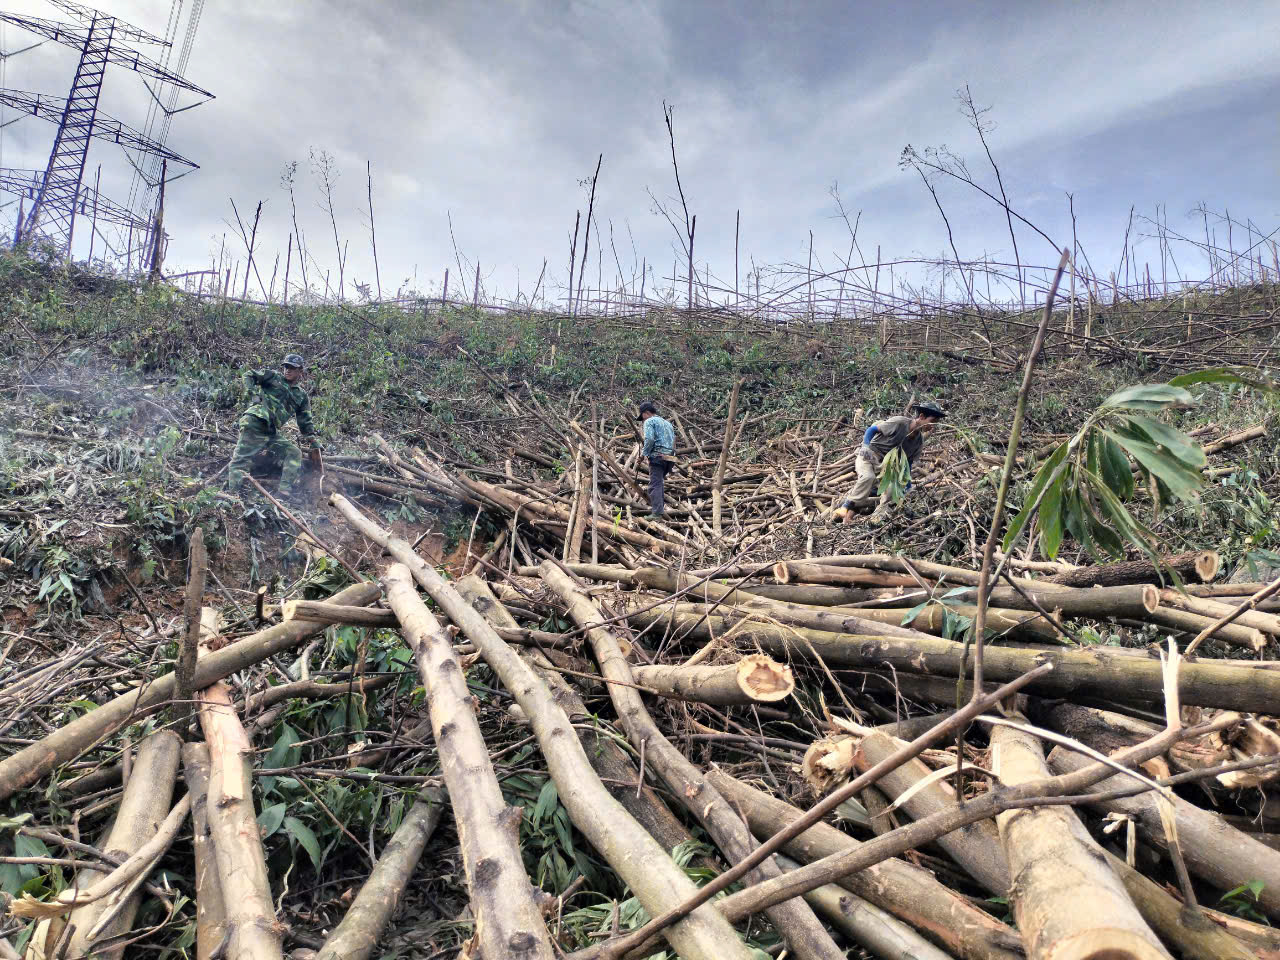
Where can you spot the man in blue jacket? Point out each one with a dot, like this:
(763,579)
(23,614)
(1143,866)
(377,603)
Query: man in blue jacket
(908,433)
(659,449)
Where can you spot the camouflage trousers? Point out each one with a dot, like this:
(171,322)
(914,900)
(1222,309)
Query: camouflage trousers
(257,436)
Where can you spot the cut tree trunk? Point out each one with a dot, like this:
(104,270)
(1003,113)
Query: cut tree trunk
(755,678)
(1220,854)
(508,922)
(610,761)
(1056,869)
(909,893)
(658,883)
(250,911)
(975,847)
(319,611)
(1268,623)
(355,937)
(1202,564)
(66,743)
(1096,672)
(796,923)
(211,913)
(143,807)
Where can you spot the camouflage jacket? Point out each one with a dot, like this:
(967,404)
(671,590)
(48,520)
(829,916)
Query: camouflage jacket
(278,401)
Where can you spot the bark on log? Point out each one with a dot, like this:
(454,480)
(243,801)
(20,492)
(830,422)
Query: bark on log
(143,807)
(508,922)
(320,611)
(1097,672)
(796,923)
(185,668)
(1136,602)
(66,743)
(625,845)
(876,931)
(1246,638)
(1023,624)
(1202,564)
(1068,903)
(608,759)
(975,847)
(795,573)
(908,892)
(233,825)
(355,937)
(755,678)
(211,913)
(1190,932)
(1213,850)
(1268,623)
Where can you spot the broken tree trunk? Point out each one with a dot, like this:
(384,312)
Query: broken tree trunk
(508,922)
(66,743)
(756,678)
(1097,672)
(795,921)
(658,883)
(908,892)
(1068,903)
(1213,849)
(975,847)
(250,910)
(717,485)
(143,807)
(1202,564)
(355,937)
(211,912)
(609,760)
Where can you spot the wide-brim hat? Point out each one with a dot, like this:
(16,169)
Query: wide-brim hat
(929,409)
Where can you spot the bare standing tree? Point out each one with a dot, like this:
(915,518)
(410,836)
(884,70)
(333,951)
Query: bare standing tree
(287,176)
(975,116)
(373,234)
(326,174)
(684,235)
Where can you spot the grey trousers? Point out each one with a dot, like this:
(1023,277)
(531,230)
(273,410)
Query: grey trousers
(863,493)
(658,470)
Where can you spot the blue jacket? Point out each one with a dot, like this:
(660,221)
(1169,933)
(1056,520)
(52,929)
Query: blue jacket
(659,437)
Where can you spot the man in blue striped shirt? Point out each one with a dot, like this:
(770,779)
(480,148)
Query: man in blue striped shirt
(659,449)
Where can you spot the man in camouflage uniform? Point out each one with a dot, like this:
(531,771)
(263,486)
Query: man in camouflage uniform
(279,399)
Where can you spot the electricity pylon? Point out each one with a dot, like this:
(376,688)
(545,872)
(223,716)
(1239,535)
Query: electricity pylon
(101,40)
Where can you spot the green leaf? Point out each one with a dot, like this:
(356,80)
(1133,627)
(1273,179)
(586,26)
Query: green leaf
(270,818)
(1183,483)
(1114,468)
(914,612)
(1237,375)
(1052,520)
(281,753)
(1148,396)
(1077,521)
(1042,477)
(304,835)
(1175,441)
(548,797)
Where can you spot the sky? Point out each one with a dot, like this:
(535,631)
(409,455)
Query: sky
(483,122)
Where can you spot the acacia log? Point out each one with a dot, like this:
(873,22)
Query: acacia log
(975,847)
(1220,854)
(1099,672)
(211,912)
(508,922)
(319,611)
(143,807)
(1136,602)
(908,892)
(1212,609)
(66,743)
(233,822)
(794,920)
(609,760)
(1233,633)
(1202,564)
(877,931)
(796,572)
(755,678)
(658,883)
(1068,903)
(1190,932)
(1025,624)
(354,938)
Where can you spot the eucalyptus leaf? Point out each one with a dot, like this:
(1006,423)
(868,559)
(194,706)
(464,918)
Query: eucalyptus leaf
(306,837)
(1183,483)
(1148,396)
(1175,441)
(1046,471)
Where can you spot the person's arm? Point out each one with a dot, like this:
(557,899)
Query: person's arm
(650,435)
(252,378)
(305,424)
(871,432)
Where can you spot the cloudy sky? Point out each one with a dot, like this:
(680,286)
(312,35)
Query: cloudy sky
(492,114)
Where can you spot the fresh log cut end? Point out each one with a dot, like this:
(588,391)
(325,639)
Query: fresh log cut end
(1150,598)
(827,762)
(762,678)
(781,573)
(1207,563)
(289,611)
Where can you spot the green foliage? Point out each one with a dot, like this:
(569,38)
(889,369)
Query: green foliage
(1238,901)
(895,475)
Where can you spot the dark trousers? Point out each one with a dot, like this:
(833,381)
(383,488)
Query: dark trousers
(658,470)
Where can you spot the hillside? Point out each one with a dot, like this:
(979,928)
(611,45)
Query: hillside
(120,415)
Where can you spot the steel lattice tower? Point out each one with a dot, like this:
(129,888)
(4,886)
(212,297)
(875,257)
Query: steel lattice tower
(61,195)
